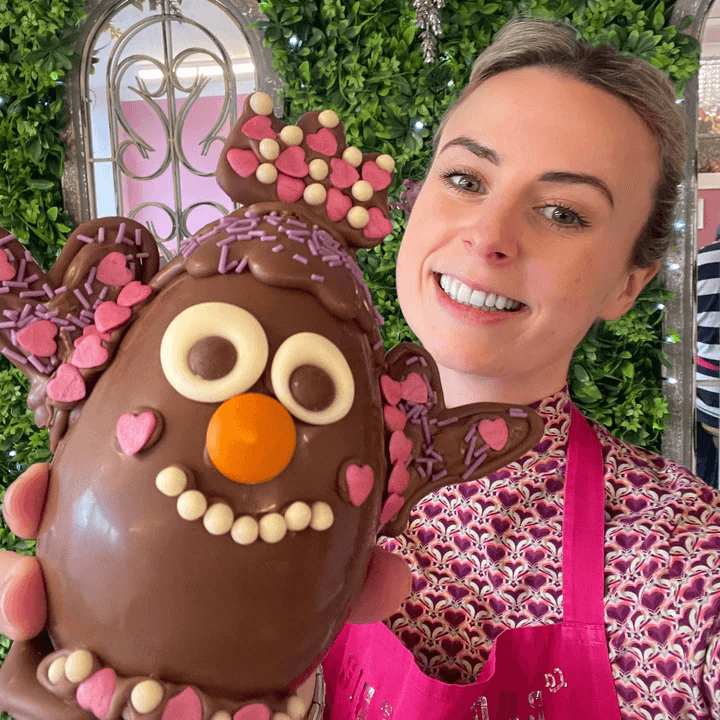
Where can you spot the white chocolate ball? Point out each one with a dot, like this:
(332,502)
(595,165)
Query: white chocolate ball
(273,527)
(78,666)
(56,670)
(261,103)
(218,519)
(269,148)
(352,156)
(315,194)
(146,696)
(318,169)
(385,162)
(245,530)
(328,119)
(322,516)
(171,481)
(298,516)
(362,190)
(266,173)
(358,217)
(221,715)
(281,716)
(291,135)
(191,505)
(296,708)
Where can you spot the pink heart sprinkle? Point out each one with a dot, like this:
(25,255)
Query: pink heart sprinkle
(67,385)
(391,508)
(400,446)
(133,294)
(96,693)
(378,225)
(243,162)
(289,189)
(395,418)
(89,353)
(259,128)
(109,316)
(337,206)
(291,161)
(37,338)
(494,432)
(7,271)
(323,141)
(112,270)
(360,480)
(343,174)
(375,175)
(399,478)
(91,330)
(256,711)
(133,431)
(414,389)
(392,389)
(185,706)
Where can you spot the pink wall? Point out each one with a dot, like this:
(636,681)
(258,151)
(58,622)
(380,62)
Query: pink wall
(711,216)
(193,188)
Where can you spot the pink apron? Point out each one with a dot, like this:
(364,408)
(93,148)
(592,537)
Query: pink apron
(547,672)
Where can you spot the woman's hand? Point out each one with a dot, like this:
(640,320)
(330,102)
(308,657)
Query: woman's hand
(23,605)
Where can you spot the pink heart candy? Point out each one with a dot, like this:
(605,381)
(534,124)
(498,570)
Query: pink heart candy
(37,338)
(400,446)
(91,330)
(337,206)
(67,385)
(133,293)
(289,189)
(494,432)
(378,225)
(255,711)
(391,508)
(7,271)
(395,418)
(414,389)
(399,478)
(392,389)
(343,174)
(259,128)
(243,162)
(185,706)
(323,141)
(360,480)
(110,315)
(133,431)
(95,694)
(89,353)
(112,270)
(375,175)
(291,161)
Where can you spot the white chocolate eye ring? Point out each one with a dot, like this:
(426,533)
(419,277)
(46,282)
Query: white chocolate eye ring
(230,322)
(308,348)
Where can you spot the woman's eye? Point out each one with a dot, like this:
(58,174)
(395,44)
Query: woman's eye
(312,379)
(561,215)
(466,182)
(213,351)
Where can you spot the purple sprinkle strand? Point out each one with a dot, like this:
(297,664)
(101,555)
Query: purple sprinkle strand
(21,269)
(138,239)
(474,467)
(378,345)
(7,324)
(30,280)
(440,475)
(470,451)
(11,355)
(62,289)
(101,234)
(142,256)
(242,265)
(449,421)
(222,264)
(14,284)
(4,290)
(7,239)
(121,234)
(84,238)
(38,365)
(317,278)
(32,293)
(103,293)
(278,248)
(12,314)
(518,413)
(231,266)
(300,259)
(81,298)
(470,433)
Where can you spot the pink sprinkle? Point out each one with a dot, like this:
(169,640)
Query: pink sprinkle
(84,238)
(138,240)
(81,298)
(103,293)
(61,290)
(474,467)
(21,269)
(101,235)
(426,428)
(300,259)
(11,355)
(121,233)
(142,256)
(517,412)
(222,264)
(470,433)
(440,475)
(421,472)
(28,256)
(231,266)
(8,324)
(273,219)
(481,450)
(296,223)
(14,284)
(378,345)
(268,238)
(257,233)
(12,314)
(449,421)
(32,293)
(470,451)
(242,265)
(317,278)
(26,311)
(38,365)
(278,248)
(312,247)
(7,239)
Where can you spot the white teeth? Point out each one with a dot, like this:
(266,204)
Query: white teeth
(477,298)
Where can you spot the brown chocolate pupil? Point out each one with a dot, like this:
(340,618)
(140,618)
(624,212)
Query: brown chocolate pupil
(311,387)
(212,357)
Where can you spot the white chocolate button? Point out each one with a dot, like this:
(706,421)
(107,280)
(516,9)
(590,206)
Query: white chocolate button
(191,505)
(358,217)
(322,516)
(315,194)
(362,190)
(291,135)
(171,481)
(298,516)
(78,666)
(245,530)
(266,173)
(352,155)
(221,715)
(385,162)
(218,519)
(280,716)
(269,148)
(273,527)
(261,103)
(328,119)
(318,169)
(296,708)
(146,696)
(56,670)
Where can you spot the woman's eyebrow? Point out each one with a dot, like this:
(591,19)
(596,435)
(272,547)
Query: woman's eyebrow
(555,176)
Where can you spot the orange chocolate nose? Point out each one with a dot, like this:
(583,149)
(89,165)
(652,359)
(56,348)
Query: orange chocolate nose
(251,438)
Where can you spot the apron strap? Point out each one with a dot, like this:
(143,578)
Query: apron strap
(583,563)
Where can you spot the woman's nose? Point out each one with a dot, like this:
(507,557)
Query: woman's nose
(493,232)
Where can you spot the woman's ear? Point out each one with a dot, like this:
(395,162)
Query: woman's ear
(636,279)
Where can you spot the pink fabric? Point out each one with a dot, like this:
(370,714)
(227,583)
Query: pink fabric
(561,671)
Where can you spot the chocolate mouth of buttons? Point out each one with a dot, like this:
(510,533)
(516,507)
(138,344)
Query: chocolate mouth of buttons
(219,519)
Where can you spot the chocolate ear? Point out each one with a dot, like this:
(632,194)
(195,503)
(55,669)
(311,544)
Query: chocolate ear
(431,446)
(94,288)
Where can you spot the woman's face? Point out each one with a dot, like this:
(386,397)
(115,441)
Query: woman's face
(539,187)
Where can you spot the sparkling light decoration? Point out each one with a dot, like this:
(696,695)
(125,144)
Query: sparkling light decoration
(428,20)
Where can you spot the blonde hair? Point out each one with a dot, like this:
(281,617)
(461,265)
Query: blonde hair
(525,42)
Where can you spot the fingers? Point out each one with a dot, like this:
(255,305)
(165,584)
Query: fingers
(387,585)
(23,609)
(25,499)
